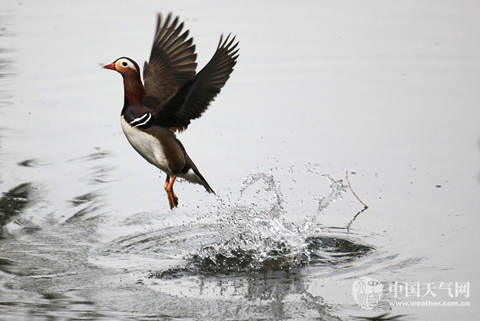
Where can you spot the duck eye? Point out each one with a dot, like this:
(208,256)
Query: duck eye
(124,64)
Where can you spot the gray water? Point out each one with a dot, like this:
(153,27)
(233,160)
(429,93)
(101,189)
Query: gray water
(387,90)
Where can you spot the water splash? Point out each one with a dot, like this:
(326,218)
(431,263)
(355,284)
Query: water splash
(274,202)
(251,236)
(255,236)
(337,188)
(242,235)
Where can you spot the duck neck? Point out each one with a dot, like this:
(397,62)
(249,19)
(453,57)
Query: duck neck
(133,96)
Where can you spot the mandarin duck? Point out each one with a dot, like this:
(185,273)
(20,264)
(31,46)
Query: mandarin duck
(172,95)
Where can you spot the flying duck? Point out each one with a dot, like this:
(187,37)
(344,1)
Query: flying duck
(172,95)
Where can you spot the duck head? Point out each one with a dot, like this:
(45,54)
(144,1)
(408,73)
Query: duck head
(133,87)
(125,66)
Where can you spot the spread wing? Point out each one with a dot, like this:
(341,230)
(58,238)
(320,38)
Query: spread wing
(207,84)
(171,65)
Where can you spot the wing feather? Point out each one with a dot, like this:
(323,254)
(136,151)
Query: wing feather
(172,63)
(207,84)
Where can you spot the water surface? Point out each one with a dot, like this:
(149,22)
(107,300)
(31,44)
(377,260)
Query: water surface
(385,89)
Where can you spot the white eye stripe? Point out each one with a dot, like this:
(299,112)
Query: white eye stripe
(127,64)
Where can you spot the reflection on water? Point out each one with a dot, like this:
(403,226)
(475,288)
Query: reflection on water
(86,204)
(28,163)
(319,250)
(13,202)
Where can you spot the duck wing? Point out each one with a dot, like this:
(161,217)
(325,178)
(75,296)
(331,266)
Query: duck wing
(195,97)
(171,64)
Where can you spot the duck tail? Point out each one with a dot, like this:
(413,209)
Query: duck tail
(202,180)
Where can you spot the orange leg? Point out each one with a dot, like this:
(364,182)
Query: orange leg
(172,198)
(170,188)
(175,198)
(167,182)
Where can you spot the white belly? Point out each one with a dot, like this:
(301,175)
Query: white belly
(146,145)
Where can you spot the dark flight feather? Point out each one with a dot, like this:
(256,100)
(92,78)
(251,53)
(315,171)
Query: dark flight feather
(193,99)
(171,64)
